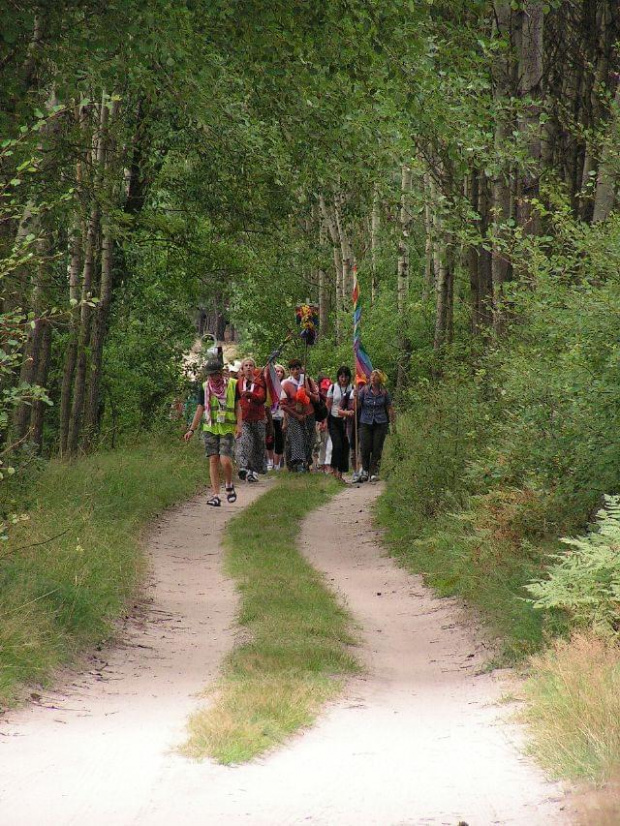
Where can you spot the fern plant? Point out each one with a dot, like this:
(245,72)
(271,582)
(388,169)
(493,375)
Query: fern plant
(585,580)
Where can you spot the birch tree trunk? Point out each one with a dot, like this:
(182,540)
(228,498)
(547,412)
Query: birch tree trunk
(607,177)
(100,143)
(444,292)
(332,230)
(346,250)
(73,272)
(374,243)
(102,310)
(531,73)
(41,377)
(402,286)
(429,268)
(324,282)
(81,352)
(501,192)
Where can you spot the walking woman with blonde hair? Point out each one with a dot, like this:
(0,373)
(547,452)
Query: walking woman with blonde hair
(376,414)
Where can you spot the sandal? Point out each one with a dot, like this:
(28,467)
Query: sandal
(231,494)
(214,501)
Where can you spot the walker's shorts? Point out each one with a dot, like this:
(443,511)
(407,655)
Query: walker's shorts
(216,445)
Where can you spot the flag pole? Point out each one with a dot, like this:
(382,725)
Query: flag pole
(355,385)
(355,433)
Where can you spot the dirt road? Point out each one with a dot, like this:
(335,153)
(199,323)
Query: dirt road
(416,740)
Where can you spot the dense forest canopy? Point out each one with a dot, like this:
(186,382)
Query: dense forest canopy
(157,157)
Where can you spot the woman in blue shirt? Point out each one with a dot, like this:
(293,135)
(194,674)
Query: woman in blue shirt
(376,413)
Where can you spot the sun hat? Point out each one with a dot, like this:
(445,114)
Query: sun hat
(234,366)
(213,366)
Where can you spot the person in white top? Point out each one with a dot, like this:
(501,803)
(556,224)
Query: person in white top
(274,457)
(340,409)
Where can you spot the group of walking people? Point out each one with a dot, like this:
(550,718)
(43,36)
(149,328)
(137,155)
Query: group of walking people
(343,422)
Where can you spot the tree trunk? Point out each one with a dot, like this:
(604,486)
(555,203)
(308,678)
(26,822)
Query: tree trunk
(374,243)
(90,249)
(99,328)
(98,334)
(346,251)
(75,264)
(43,365)
(607,177)
(501,193)
(444,291)
(402,285)
(81,359)
(429,269)
(332,230)
(529,124)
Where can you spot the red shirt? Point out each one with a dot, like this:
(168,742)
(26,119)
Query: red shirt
(253,395)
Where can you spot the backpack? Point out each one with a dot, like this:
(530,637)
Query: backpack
(320,409)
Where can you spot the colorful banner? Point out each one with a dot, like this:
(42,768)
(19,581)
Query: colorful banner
(363,364)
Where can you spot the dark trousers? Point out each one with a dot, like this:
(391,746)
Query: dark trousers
(340,444)
(278,437)
(372,437)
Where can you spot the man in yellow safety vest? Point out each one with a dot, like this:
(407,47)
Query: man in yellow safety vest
(219,408)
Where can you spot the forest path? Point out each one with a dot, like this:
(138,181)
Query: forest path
(416,740)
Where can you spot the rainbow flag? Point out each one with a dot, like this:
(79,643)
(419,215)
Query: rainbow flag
(363,364)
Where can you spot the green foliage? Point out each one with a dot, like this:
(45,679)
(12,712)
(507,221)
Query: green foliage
(585,580)
(462,541)
(487,472)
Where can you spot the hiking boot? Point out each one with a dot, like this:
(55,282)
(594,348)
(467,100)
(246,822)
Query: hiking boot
(363,476)
(243,472)
(252,476)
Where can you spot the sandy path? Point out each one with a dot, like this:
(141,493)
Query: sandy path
(415,741)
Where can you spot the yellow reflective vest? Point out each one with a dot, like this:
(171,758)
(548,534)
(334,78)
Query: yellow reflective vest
(223,418)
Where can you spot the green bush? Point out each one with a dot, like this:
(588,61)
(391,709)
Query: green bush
(585,580)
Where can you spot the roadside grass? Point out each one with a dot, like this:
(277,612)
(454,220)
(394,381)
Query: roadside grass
(574,708)
(73,568)
(471,554)
(299,639)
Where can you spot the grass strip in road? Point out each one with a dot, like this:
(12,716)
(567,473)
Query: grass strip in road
(300,637)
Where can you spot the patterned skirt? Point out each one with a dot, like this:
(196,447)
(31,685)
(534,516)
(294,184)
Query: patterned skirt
(251,449)
(300,441)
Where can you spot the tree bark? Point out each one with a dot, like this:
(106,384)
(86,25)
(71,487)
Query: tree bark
(99,328)
(501,191)
(81,357)
(346,251)
(429,269)
(99,155)
(374,245)
(402,285)
(531,74)
(444,295)
(607,177)
(332,230)
(41,375)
